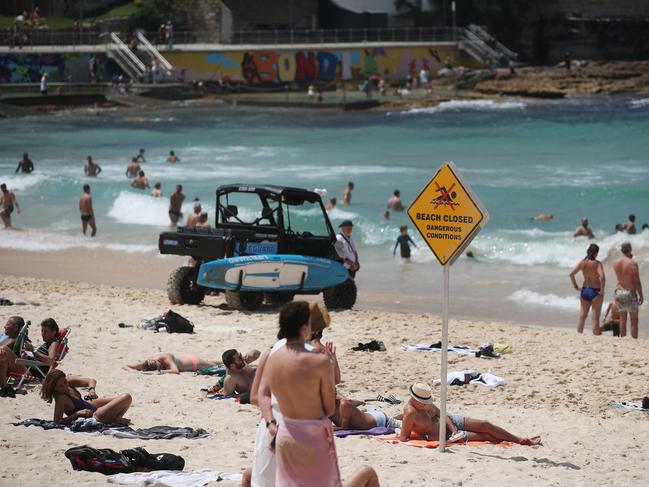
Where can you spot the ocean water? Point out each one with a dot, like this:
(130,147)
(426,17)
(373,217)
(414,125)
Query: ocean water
(571,158)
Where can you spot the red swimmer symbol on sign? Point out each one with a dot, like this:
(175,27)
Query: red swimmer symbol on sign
(446,197)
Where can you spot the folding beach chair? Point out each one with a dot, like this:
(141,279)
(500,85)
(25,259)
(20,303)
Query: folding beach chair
(34,371)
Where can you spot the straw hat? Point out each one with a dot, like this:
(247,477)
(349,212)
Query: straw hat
(421,392)
(319,317)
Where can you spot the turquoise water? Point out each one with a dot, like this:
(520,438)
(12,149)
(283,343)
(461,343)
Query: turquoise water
(571,158)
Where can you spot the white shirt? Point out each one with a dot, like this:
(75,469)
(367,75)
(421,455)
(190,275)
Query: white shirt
(346,247)
(43,83)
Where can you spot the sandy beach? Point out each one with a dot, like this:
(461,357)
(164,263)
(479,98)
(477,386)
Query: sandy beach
(558,384)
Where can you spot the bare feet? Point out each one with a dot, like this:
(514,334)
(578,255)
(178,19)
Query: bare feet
(536,440)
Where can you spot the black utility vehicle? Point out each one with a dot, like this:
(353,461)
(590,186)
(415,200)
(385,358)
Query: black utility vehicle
(252,220)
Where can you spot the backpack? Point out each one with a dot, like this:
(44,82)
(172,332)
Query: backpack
(106,461)
(174,323)
(145,461)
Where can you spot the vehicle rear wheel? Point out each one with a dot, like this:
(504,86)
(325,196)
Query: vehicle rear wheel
(278,299)
(182,287)
(248,301)
(342,296)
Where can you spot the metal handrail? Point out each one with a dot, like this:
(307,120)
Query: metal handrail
(152,51)
(489,39)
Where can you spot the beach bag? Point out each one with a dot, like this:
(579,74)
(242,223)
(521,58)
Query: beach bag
(106,461)
(174,323)
(142,460)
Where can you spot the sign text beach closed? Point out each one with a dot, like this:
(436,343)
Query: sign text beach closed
(447,214)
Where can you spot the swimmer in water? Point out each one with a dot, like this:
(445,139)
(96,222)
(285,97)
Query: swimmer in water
(87,213)
(133,168)
(7,203)
(140,182)
(172,158)
(157,190)
(92,169)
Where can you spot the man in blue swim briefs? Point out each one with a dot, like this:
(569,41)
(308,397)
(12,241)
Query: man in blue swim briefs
(7,203)
(592,291)
(421,417)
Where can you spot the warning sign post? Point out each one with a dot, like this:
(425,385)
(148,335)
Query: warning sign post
(448,215)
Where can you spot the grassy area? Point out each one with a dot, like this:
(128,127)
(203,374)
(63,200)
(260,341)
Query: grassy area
(128,8)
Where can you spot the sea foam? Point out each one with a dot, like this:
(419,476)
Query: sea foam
(525,296)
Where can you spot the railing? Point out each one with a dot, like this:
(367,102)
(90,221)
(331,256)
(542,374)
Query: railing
(154,53)
(76,37)
(340,36)
(126,59)
(491,41)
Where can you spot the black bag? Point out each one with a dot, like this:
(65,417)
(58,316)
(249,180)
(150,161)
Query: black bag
(174,323)
(145,461)
(106,461)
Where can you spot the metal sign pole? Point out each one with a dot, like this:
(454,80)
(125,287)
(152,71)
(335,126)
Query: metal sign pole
(443,382)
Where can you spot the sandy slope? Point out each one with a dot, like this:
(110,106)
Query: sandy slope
(559,385)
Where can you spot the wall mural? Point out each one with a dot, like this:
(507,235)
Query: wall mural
(304,66)
(28,68)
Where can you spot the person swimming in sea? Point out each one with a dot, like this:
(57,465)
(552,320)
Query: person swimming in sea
(591,293)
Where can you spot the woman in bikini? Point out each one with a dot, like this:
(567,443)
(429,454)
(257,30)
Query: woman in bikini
(69,405)
(592,291)
(168,363)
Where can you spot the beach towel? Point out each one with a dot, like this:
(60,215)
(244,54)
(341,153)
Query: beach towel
(419,443)
(634,406)
(459,349)
(305,450)
(218,370)
(91,425)
(379,430)
(170,478)
(459,378)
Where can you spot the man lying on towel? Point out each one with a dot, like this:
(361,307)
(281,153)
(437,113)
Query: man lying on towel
(421,416)
(348,416)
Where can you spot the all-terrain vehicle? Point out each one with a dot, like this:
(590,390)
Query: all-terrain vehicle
(254,220)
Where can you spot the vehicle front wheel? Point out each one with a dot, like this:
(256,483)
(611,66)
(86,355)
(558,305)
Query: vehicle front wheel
(248,301)
(182,287)
(342,296)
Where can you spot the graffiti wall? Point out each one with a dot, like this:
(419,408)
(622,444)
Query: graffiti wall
(305,66)
(28,68)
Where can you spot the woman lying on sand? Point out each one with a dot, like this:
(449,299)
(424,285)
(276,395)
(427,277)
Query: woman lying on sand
(68,401)
(168,363)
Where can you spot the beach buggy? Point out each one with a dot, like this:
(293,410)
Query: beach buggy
(268,243)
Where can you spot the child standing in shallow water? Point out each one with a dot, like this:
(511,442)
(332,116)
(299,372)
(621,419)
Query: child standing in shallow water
(404,241)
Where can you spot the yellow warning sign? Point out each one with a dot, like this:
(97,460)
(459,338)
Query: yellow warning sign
(447,214)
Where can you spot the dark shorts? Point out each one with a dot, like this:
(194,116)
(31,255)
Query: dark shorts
(8,210)
(86,218)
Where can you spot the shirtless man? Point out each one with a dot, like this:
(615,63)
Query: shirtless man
(202,221)
(175,204)
(348,416)
(303,383)
(192,219)
(7,203)
(91,168)
(157,190)
(629,227)
(141,181)
(628,291)
(592,291)
(172,158)
(25,166)
(239,375)
(347,194)
(421,417)
(87,214)
(133,169)
(140,156)
(394,203)
(583,230)
(168,363)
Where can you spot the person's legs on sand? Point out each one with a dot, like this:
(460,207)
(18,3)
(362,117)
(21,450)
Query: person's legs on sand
(486,431)
(585,307)
(623,323)
(363,477)
(597,310)
(634,324)
(112,409)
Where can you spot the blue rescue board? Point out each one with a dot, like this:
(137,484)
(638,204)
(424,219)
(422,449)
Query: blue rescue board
(269,273)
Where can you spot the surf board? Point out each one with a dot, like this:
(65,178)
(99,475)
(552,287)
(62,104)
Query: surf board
(276,272)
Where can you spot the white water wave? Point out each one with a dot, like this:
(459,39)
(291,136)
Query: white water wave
(144,209)
(640,103)
(22,182)
(467,105)
(532,298)
(38,241)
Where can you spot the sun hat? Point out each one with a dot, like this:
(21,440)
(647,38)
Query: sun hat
(346,223)
(421,392)
(319,317)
